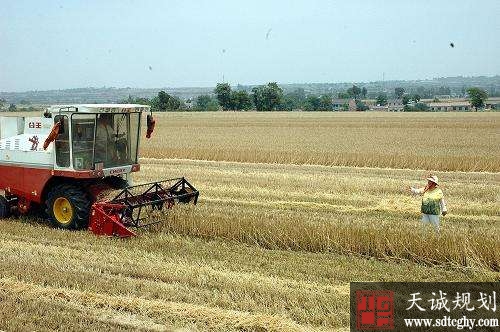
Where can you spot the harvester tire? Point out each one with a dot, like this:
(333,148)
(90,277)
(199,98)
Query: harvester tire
(4,208)
(68,207)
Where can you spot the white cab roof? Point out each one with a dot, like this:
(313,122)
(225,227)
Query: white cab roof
(98,108)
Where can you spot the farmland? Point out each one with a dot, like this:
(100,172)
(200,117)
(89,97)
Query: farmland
(432,141)
(293,207)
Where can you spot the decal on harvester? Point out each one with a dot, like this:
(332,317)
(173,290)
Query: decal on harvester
(34,142)
(35,125)
(117,171)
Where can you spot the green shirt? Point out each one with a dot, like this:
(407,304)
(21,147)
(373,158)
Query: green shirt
(431,202)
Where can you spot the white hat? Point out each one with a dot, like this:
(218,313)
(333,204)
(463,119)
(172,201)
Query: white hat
(434,179)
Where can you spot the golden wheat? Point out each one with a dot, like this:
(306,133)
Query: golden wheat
(59,280)
(340,209)
(271,246)
(432,141)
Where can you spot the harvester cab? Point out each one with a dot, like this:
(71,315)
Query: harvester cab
(76,162)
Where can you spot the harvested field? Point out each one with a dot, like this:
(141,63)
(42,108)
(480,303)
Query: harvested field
(52,279)
(345,210)
(281,228)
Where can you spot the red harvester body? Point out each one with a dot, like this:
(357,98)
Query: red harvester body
(75,155)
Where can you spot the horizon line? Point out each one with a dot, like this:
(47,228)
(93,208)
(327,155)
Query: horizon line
(295,83)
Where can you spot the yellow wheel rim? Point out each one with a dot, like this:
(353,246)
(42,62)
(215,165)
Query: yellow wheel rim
(63,211)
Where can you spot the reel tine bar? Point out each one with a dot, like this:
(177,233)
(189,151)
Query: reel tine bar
(155,195)
(128,206)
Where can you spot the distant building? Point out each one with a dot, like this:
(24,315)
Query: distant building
(448,106)
(338,104)
(395,105)
(441,97)
(378,108)
(492,103)
(190,103)
(352,105)
(462,105)
(341,104)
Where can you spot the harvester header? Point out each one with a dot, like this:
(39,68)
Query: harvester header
(71,157)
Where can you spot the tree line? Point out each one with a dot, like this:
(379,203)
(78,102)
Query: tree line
(271,97)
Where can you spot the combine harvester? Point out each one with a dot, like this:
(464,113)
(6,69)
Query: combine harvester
(76,161)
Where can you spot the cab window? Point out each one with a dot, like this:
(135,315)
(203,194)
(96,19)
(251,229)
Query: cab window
(62,143)
(83,132)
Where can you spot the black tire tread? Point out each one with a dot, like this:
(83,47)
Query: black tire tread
(4,208)
(79,201)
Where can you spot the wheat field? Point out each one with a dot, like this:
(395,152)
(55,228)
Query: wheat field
(286,219)
(345,210)
(429,141)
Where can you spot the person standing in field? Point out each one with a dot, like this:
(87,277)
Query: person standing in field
(433,203)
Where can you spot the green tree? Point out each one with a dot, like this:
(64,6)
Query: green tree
(155,104)
(381,99)
(2,103)
(360,106)
(240,100)
(274,95)
(477,97)
(287,103)
(399,92)
(343,95)
(259,98)
(299,94)
(406,100)
(313,103)
(421,107)
(223,93)
(206,103)
(136,100)
(293,100)
(418,107)
(142,101)
(325,103)
(175,104)
(364,92)
(12,108)
(164,102)
(160,102)
(416,98)
(354,92)
(267,97)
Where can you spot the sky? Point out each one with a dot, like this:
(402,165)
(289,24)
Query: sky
(146,44)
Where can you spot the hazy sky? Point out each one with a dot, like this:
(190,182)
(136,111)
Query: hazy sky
(68,44)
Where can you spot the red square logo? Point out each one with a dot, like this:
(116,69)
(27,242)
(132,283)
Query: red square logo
(374,310)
